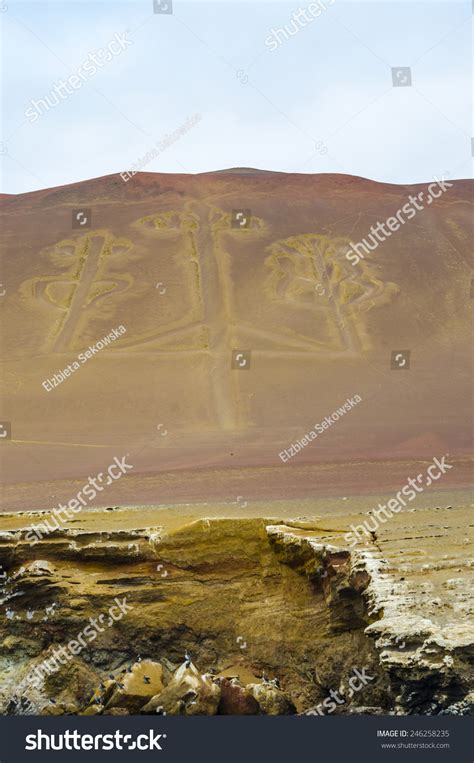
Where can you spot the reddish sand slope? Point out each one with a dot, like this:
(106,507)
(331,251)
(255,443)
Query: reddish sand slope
(241,333)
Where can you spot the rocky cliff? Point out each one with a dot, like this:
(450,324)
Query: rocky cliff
(223,615)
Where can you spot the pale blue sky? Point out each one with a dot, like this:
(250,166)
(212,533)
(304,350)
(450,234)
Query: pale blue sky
(331,82)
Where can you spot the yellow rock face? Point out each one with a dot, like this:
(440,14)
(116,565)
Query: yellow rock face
(252,600)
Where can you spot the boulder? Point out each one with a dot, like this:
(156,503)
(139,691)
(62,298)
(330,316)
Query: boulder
(188,693)
(65,689)
(93,710)
(272,700)
(39,567)
(235,699)
(135,686)
(72,684)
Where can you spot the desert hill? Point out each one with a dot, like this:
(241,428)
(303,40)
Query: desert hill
(245,325)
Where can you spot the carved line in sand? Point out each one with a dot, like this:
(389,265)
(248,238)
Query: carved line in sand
(298,265)
(295,264)
(231,403)
(201,227)
(183,225)
(82,285)
(86,284)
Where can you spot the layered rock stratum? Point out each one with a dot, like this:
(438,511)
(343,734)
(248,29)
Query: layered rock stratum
(277,608)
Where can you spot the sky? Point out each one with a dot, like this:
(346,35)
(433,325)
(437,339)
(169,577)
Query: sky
(321,100)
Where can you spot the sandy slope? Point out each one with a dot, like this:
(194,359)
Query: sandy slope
(162,259)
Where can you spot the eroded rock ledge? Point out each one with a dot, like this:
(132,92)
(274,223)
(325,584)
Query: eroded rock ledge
(270,603)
